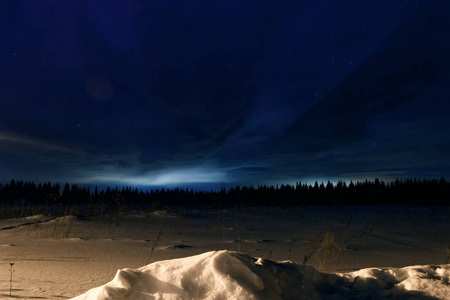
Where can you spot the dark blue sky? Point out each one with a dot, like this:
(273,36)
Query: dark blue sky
(212,93)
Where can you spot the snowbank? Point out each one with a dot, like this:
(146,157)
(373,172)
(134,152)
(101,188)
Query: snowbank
(233,275)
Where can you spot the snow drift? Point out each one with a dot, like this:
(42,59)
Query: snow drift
(233,275)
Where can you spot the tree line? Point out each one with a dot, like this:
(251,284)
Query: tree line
(368,192)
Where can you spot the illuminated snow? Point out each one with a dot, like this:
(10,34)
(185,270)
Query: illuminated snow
(233,275)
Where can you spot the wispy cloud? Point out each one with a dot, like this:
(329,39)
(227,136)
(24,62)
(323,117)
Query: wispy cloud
(165,177)
(12,139)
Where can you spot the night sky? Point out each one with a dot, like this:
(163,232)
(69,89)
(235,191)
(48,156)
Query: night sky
(206,94)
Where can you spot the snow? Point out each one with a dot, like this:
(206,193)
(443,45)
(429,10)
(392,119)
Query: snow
(350,251)
(234,275)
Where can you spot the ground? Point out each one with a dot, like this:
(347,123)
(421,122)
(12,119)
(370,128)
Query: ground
(62,257)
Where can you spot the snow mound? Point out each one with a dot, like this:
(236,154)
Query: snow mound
(233,275)
(165,214)
(35,217)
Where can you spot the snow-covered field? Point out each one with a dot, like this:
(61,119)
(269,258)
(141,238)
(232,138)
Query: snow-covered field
(58,258)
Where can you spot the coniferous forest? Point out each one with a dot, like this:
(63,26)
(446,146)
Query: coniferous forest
(376,192)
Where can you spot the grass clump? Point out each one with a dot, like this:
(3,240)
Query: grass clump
(324,248)
(448,255)
(238,234)
(160,232)
(11,271)
(329,251)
